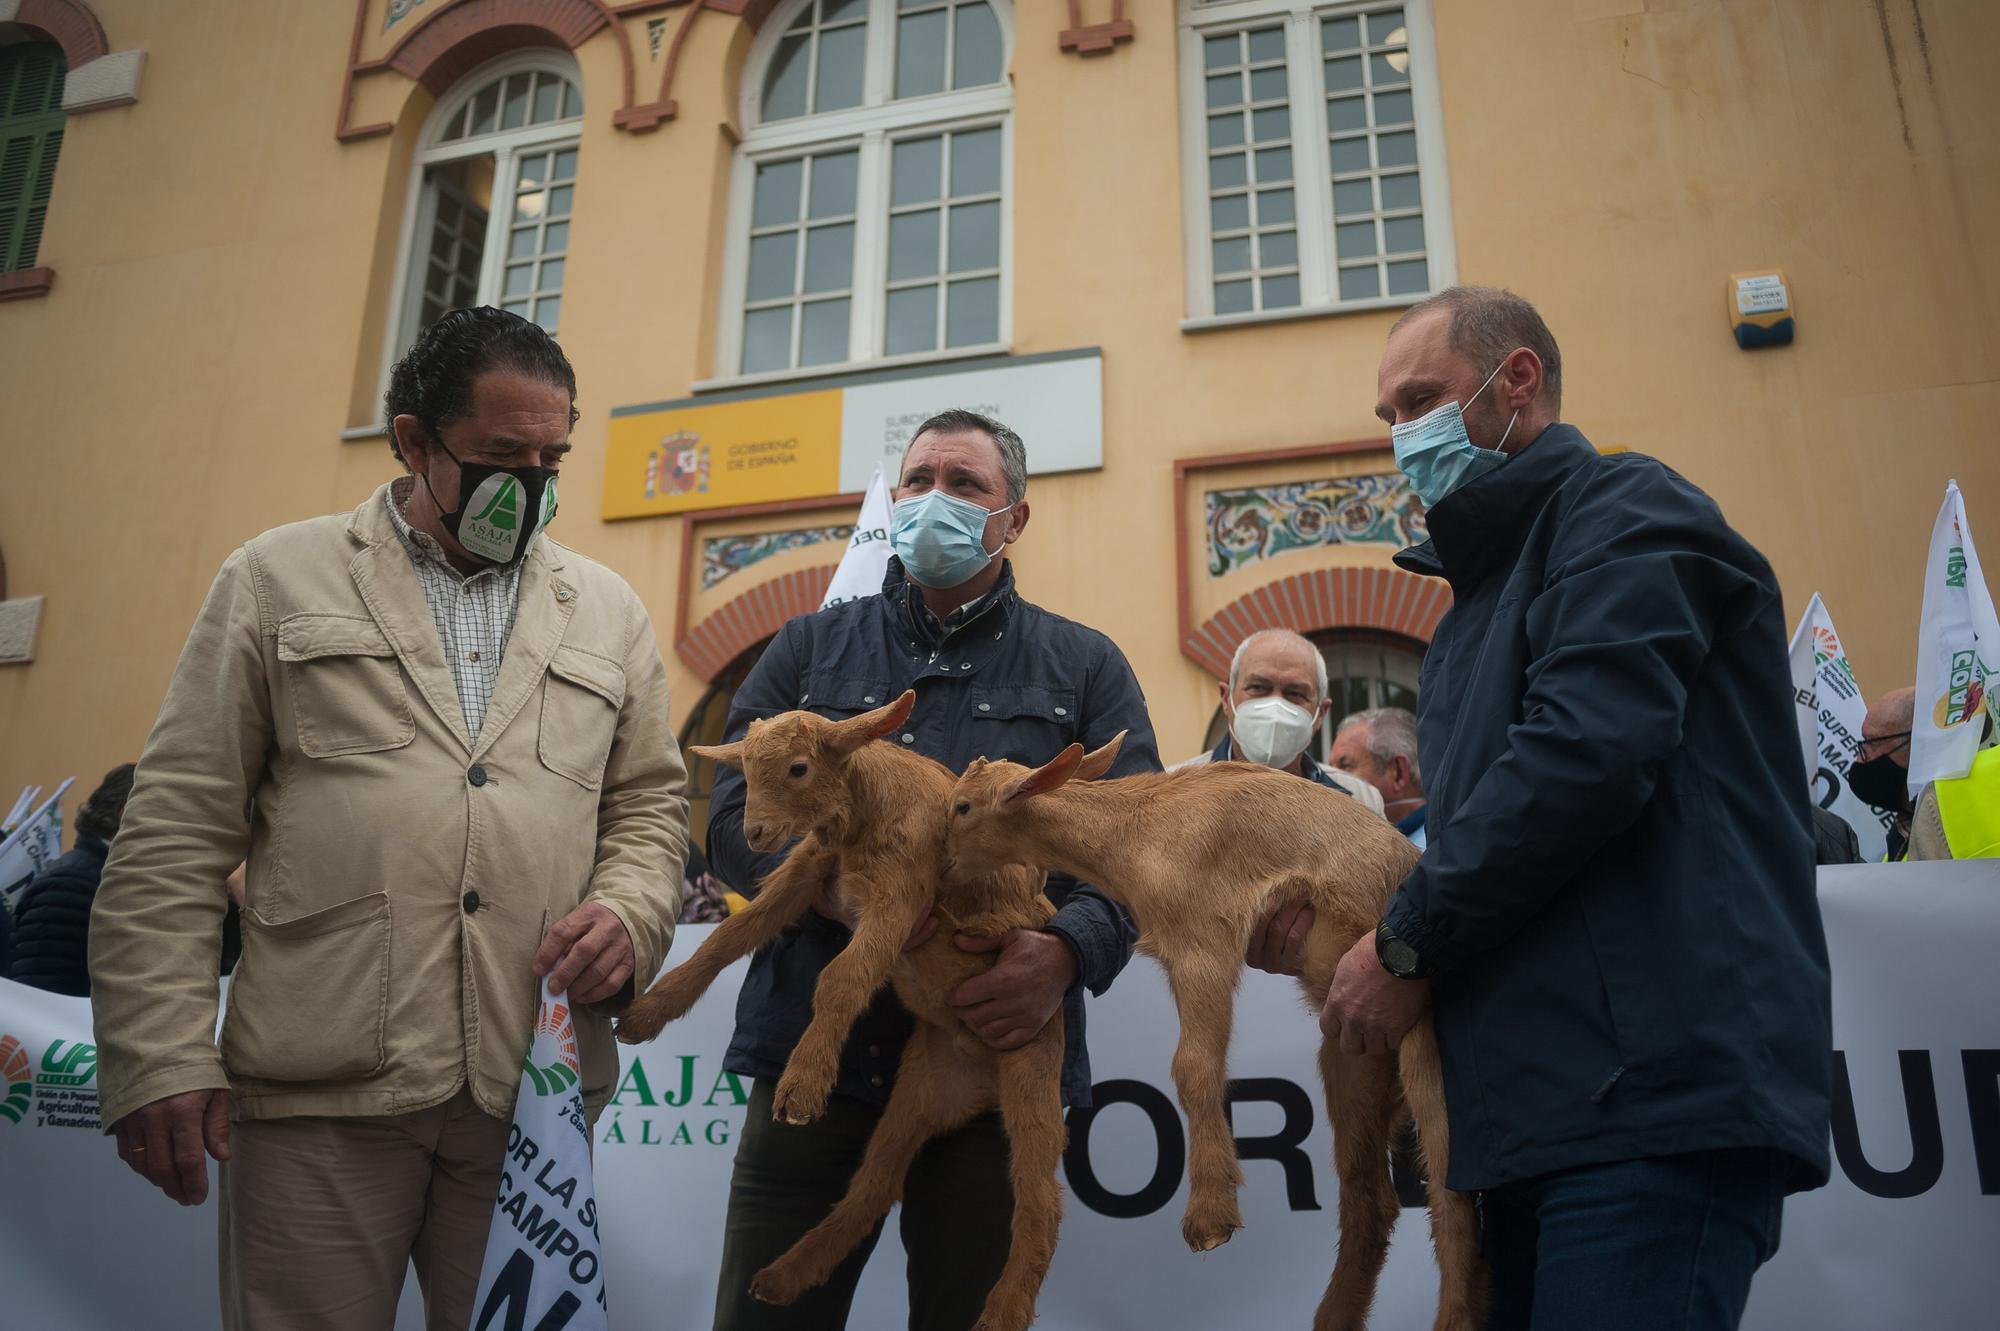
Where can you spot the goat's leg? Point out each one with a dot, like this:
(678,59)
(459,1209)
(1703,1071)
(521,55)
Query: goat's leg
(1202,974)
(1031,1107)
(1462,1288)
(1360,1104)
(845,987)
(933,1095)
(787,893)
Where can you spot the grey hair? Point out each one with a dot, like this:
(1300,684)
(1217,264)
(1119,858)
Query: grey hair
(1488,323)
(1013,453)
(1319,659)
(1392,731)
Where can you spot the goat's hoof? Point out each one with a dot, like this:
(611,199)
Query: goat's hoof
(1007,1317)
(1207,1228)
(796,1106)
(637,1027)
(775,1286)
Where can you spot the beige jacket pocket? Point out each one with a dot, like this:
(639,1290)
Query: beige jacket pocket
(580,700)
(346,685)
(310,998)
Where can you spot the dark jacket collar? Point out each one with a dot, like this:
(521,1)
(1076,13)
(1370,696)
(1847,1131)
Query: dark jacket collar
(900,592)
(1411,821)
(1480,527)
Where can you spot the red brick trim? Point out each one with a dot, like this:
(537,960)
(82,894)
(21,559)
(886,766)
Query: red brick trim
(26,283)
(744,621)
(68,23)
(1387,599)
(443,45)
(1095,38)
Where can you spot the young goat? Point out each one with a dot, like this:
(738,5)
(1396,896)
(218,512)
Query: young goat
(872,816)
(1199,857)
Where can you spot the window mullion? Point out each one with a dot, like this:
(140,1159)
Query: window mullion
(500,211)
(878,77)
(1311,172)
(866,326)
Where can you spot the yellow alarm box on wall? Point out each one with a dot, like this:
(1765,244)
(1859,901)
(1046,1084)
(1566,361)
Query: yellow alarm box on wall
(1760,309)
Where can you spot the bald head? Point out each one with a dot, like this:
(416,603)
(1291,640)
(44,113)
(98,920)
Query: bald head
(1886,727)
(1281,662)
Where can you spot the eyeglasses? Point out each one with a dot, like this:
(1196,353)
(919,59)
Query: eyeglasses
(1902,738)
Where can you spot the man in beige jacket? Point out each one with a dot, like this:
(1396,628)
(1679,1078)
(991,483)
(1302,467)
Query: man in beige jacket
(441,741)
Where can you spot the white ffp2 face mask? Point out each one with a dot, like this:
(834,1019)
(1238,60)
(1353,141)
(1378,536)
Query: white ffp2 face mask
(1271,731)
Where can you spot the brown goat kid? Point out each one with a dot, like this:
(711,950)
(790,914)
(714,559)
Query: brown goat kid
(1199,857)
(872,817)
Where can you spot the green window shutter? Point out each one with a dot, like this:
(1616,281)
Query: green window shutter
(31,132)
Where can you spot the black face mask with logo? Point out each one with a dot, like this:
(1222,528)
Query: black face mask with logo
(1881,781)
(500,509)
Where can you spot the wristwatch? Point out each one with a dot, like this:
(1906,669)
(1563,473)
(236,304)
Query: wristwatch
(1397,957)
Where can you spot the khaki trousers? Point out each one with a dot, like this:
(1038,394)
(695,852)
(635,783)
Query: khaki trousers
(321,1217)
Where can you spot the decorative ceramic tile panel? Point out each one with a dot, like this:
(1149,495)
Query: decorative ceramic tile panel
(1263,521)
(398,11)
(724,555)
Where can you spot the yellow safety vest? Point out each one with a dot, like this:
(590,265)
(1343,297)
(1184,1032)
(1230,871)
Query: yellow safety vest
(1969,808)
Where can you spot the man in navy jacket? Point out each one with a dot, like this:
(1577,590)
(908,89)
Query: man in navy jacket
(996,677)
(1615,916)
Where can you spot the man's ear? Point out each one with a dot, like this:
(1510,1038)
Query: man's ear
(1050,775)
(728,755)
(412,440)
(1017,522)
(1097,762)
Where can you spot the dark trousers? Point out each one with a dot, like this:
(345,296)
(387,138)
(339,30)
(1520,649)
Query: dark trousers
(1664,1244)
(957,1211)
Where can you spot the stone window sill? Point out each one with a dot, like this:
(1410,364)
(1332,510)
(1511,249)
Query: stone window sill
(26,283)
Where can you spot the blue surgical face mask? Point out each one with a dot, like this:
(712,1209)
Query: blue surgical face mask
(1438,456)
(941,539)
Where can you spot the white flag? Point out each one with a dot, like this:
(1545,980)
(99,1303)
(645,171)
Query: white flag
(27,850)
(1958,652)
(543,1266)
(1830,708)
(866,562)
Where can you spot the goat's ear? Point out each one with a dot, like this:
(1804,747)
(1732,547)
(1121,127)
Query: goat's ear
(729,755)
(849,735)
(1098,761)
(1049,775)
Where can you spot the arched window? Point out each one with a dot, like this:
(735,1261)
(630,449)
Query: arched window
(496,172)
(870,205)
(31,132)
(705,726)
(1364,669)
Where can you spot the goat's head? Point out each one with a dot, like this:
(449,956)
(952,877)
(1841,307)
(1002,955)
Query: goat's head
(988,801)
(794,769)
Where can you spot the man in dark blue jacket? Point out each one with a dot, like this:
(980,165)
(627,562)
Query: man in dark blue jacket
(1615,916)
(996,677)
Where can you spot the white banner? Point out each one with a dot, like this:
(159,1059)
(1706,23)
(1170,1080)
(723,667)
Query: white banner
(866,562)
(1831,709)
(1903,1237)
(544,1266)
(1958,652)
(27,850)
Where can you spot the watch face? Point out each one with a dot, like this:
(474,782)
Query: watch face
(1398,957)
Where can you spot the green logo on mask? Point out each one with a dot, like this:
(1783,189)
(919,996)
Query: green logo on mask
(503,508)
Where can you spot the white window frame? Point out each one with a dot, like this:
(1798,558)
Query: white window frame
(1311,169)
(505,147)
(872,128)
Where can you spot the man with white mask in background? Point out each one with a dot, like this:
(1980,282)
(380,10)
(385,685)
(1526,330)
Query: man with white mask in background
(1275,702)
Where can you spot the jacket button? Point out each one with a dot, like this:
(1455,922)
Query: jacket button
(1062,711)
(874,1051)
(869,698)
(470,902)
(965,665)
(908,738)
(986,707)
(875,1080)
(476,775)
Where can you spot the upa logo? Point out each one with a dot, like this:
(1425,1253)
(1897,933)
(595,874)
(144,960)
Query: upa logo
(76,1067)
(17,1074)
(567,1071)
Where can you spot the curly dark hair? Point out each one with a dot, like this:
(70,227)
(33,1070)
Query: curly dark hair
(105,809)
(433,381)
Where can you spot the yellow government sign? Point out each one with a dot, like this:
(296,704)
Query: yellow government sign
(679,458)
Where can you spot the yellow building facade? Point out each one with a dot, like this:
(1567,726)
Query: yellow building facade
(1168,236)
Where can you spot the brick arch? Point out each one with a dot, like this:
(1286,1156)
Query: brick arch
(467,35)
(70,24)
(744,621)
(1323,598)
